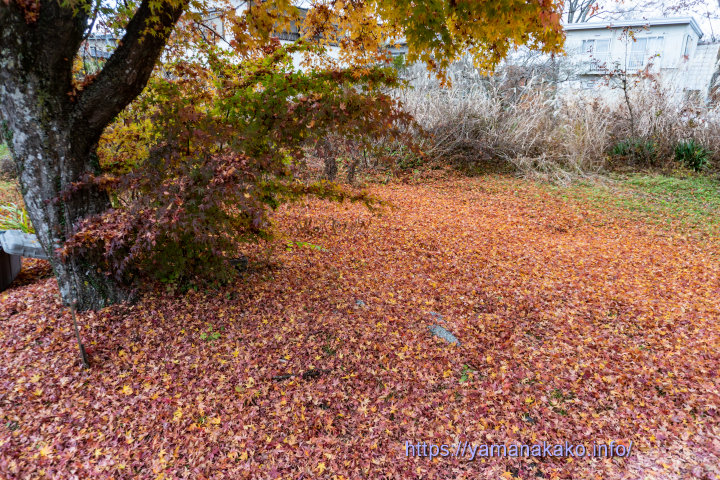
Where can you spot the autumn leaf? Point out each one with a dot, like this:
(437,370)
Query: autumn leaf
(619,349)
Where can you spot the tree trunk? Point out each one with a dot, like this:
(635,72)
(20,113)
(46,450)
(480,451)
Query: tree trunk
(49,160)
(52,127)
(49,154)
(330,168)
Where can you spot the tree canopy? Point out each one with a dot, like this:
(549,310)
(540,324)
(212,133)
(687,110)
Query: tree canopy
(227,111)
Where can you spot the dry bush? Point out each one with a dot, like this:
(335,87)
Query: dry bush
(662,120)
(8,170)
(521,121)
(7,164)
(535,132)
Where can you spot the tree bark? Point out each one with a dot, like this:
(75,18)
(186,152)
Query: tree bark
(330,168)
(52,128)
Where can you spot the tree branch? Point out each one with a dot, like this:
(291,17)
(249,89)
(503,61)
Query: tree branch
(128,69)
(40,39)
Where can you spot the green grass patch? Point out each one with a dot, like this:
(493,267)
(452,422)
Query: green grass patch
(684,202)
(4,151)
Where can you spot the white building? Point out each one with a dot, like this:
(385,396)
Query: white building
(669,48)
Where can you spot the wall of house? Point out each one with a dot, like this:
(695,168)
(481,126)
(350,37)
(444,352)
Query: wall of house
(680,68)
(672,49)
(701,69)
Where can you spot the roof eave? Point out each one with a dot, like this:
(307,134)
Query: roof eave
(637,23)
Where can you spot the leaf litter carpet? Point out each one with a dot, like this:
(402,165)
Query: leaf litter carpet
(575,325)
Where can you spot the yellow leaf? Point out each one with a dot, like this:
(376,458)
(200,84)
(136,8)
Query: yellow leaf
(320,468)
(127,390)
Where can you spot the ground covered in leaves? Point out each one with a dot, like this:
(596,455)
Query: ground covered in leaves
(575,325)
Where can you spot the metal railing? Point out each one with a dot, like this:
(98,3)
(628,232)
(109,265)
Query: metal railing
(636,60)
(596,63)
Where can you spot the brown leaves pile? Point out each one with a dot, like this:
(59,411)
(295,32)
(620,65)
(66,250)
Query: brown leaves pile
(574,326)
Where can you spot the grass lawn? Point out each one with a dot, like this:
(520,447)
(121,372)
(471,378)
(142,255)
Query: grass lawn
(687,203)
(581,319)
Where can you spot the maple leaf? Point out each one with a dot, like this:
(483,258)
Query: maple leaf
(618,350)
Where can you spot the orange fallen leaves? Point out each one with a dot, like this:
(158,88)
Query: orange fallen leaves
(597,331)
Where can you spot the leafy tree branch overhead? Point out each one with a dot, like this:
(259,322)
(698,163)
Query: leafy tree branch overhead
(54,119)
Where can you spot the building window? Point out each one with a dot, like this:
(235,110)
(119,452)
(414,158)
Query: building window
(598,53)
(212,27)
(596,47)
(688,43)
(644,50)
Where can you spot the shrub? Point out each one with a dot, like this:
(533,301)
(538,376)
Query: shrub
(692,155)
(218,148)
(527,120)
(479,128)
(636,151)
